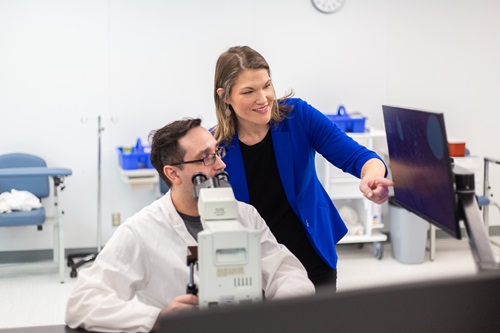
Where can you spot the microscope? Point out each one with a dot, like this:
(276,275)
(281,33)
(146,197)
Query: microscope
(228,254)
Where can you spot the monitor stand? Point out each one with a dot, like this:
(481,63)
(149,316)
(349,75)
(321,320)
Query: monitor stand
(469,211)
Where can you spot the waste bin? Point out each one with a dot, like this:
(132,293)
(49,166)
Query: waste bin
(408,234)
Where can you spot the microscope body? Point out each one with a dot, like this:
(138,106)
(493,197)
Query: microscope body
(229,254)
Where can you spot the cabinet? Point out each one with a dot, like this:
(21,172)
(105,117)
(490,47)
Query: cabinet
(362,217)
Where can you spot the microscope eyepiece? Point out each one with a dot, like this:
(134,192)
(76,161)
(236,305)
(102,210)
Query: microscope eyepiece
(198,178)
(222,175)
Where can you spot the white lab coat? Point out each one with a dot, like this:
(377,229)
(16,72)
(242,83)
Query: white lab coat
(143,267)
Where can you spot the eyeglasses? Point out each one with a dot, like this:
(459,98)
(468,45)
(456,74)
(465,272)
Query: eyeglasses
(207,160)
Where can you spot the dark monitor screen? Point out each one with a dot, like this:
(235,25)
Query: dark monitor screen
(421,166)
(459,304)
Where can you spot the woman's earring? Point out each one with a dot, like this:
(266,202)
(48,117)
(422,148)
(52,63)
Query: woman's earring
(228,112)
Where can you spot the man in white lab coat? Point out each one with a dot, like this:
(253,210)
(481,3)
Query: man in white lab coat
(141,274)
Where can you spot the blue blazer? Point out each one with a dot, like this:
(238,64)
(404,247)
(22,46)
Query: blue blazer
(296,140)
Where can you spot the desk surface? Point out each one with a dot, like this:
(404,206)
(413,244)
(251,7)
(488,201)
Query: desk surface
(43,329)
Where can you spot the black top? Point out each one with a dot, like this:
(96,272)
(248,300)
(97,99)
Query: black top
(193,224)
(268,196)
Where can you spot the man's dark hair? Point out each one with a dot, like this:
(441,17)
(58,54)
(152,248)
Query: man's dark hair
(165,148)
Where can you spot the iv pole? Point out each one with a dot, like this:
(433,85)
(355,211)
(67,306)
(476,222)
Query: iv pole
(99,209)
(89,257)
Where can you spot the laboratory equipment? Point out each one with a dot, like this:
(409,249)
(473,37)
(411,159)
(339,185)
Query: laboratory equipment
(229,255)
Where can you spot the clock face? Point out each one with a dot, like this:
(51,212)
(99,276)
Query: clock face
(328,6)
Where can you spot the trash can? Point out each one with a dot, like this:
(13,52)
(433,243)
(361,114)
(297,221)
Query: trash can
(408,234)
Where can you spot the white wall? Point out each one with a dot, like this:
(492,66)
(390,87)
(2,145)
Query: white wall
(143,63)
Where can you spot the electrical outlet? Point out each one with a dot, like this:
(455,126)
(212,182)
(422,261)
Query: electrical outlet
(116,219)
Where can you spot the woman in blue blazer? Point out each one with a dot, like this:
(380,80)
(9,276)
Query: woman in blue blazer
(270,151)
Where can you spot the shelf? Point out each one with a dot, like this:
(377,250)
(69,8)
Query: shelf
(344,179)
(374,237)
(369,133)
(140,179)
(351,195)
(343,189)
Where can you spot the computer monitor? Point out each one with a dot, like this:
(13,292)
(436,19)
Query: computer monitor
(427,183)
(420,165)
(457,304)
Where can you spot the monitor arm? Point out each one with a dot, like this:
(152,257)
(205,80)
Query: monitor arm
(471,215)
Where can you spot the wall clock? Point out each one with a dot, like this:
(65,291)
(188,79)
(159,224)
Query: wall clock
(328,6)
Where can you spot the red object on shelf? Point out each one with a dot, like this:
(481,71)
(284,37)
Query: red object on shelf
(457,149)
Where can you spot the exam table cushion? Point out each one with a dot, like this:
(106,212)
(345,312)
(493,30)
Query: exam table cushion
(19,218)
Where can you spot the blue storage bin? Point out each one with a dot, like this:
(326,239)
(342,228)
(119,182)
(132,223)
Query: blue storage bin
(137,157)
(354,123)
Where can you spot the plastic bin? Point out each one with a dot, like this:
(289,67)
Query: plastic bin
(137,157)
(348,123)
(408,235)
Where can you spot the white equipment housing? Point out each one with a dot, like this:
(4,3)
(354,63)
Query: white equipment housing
(229,254)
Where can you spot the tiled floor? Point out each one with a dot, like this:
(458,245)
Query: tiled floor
(37,299)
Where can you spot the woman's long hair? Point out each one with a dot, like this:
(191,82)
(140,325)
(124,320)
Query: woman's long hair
(229,66)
